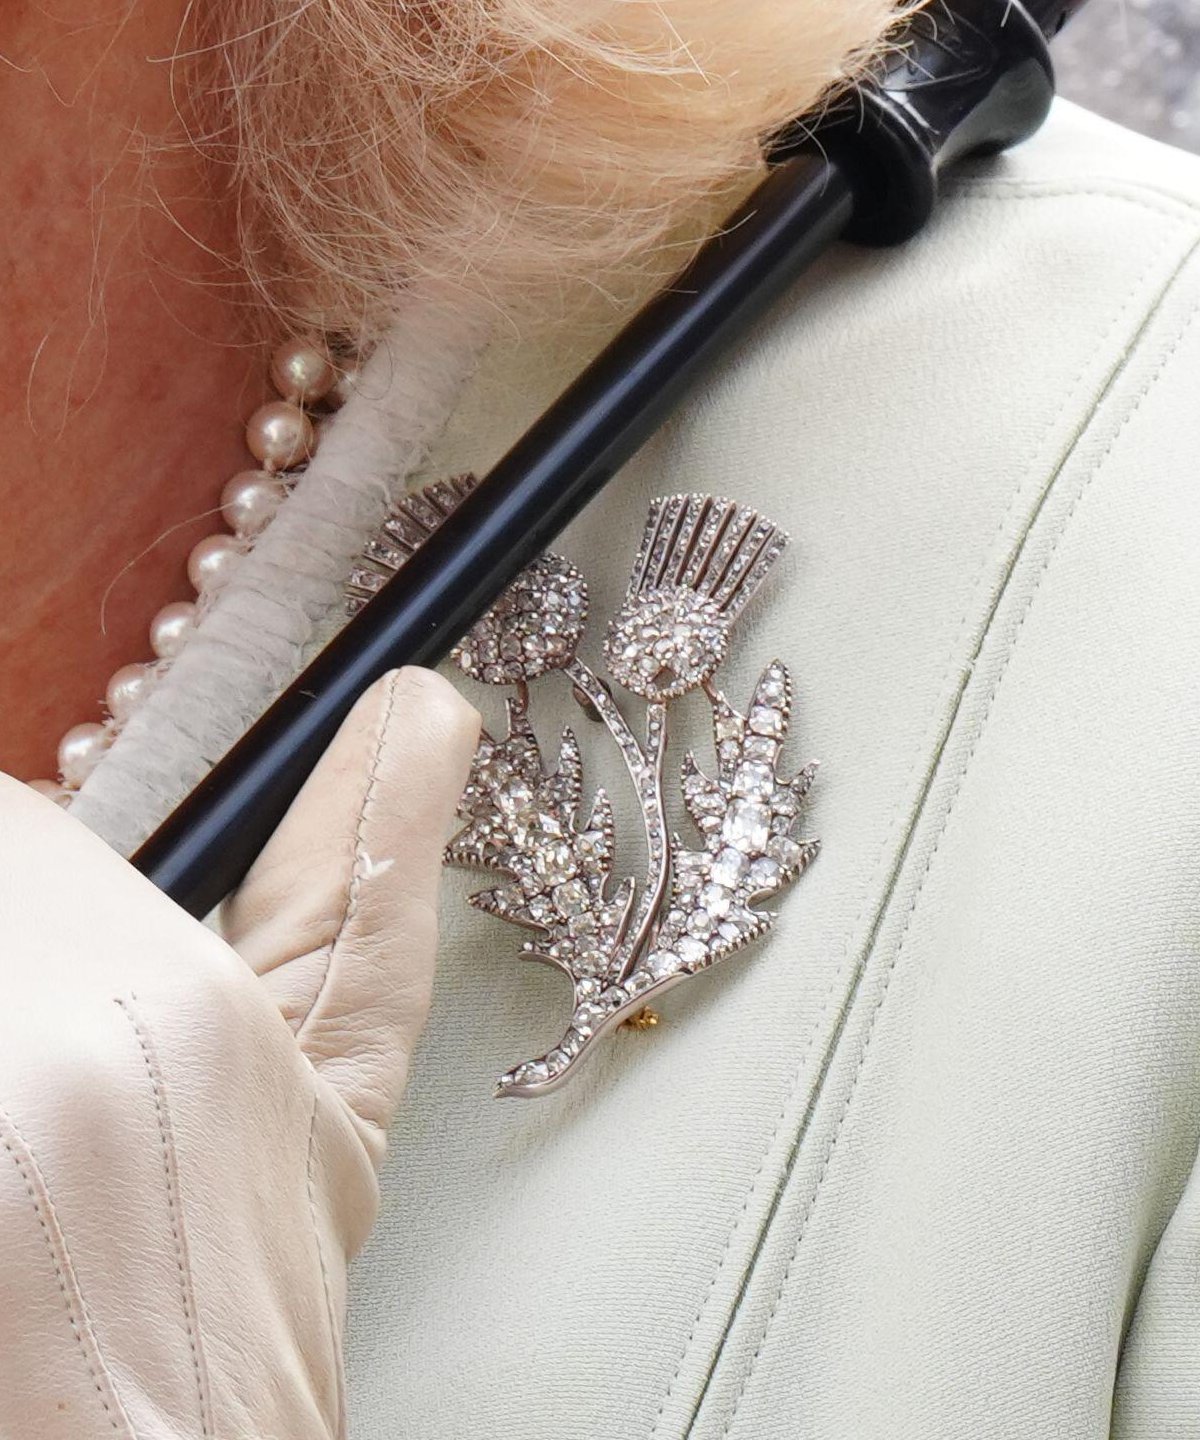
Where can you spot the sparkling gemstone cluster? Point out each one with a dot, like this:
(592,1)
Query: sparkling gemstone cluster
(526,824)
(716,548)
(535,626)
(410,521)
(700,559)
(666,642)
(748,818)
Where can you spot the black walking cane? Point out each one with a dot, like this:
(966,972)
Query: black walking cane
(965,77)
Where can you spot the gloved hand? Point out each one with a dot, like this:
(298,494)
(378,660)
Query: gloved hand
(189,1136)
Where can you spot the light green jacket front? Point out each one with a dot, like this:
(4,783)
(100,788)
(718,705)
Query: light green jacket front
(919,1165)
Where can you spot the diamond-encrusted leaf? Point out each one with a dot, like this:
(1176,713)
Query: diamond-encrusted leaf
(748,818)
(701,561)
(704,798)
(524,822)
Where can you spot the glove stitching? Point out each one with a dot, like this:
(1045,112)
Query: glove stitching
(68,1284)
(330,1309)
(361,860)
(174,1211)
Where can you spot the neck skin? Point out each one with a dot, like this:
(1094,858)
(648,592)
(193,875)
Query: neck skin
(124,375)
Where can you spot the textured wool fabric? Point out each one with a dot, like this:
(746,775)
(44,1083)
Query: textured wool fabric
(917,1166)
(286,596)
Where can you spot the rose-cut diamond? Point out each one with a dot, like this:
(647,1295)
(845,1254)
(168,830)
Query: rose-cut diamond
(665,642)
(535,626)
(747,825)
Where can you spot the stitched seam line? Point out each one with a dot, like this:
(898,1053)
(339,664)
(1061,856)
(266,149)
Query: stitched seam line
(885,860)
(330,1311)
(360,860)
(1143,197)
(43,1208)
(187,1298)
(889,972)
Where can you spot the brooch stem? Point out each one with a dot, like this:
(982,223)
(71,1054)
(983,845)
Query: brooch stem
(618,942)
(645,767)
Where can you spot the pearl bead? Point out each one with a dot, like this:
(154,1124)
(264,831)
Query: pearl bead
(52,790)
(79,751)
(212,561)
(127,688)
(249,500)
(171,627)
(301,372)
(279,435)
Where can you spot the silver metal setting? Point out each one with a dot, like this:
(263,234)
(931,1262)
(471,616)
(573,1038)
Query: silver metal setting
(619,942)
(410,521)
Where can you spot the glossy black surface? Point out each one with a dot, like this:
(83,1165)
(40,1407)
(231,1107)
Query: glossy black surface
(973,77)
(976,79)
(515,511)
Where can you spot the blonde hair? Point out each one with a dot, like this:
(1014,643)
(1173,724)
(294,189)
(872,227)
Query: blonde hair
(499,147)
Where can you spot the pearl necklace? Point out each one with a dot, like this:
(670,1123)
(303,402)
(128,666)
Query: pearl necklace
(281,436)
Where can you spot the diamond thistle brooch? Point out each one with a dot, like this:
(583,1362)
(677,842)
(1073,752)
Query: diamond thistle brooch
(620,943)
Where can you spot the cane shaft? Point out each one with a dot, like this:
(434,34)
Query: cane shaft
(209,842)
(973,76)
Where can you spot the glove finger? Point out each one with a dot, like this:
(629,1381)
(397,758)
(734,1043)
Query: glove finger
(338,914)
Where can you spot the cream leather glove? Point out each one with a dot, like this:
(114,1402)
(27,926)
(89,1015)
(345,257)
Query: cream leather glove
(189,1136)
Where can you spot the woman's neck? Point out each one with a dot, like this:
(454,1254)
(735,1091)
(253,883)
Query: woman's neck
(123,384)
